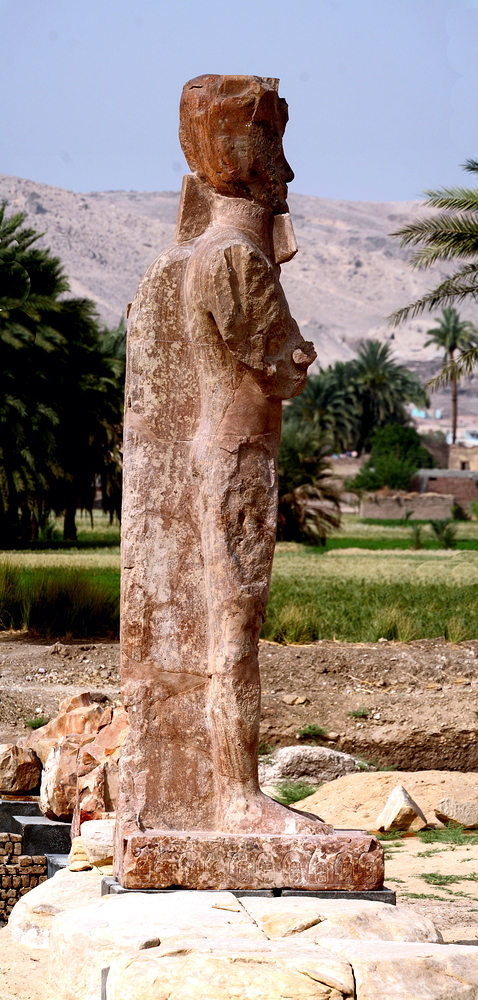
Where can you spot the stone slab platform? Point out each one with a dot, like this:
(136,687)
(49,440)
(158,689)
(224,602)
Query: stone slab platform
(110,887)
(16,807)
(346,860)
(42,835)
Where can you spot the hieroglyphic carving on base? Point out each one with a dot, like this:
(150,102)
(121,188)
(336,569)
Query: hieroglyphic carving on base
(349,860)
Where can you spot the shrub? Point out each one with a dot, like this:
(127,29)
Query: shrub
(396,455)
(445,533)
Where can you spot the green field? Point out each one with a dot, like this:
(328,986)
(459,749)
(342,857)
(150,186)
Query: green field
(366,584)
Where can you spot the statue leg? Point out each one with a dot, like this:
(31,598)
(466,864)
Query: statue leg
(238,525)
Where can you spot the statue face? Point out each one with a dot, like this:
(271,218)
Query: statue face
(231,132)
(268,173)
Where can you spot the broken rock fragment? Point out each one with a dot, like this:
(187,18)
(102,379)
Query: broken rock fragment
(461,813)
(20,769)
(58,783)
(401,812)
(305,763)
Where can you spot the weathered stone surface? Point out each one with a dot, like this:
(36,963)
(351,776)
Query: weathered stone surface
(462,813)
(197,972)
(212,350)
(87,939)
(401,812)
(346,859)
(97,772)
(314,764)
(20,769)
(58,780)
(97,838)
(402,971)
(84,719)
(31,918)
(319,919)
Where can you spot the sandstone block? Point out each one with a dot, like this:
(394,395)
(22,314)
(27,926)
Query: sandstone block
(97,838)
(230,970)
(20,769)
(345,859)
(318,919)
(401,812)
(410,971)
(86,719)
(58,783)
(462,813)
(85,940)
(33,915)
(97,785)
(298,763)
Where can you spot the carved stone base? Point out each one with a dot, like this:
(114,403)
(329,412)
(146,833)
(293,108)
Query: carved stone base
(156,859)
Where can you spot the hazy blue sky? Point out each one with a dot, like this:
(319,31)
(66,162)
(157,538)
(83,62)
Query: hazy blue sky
(383,94)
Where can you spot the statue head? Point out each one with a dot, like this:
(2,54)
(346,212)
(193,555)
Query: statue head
(231,130)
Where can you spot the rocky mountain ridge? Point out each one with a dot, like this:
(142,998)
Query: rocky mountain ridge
(348,276)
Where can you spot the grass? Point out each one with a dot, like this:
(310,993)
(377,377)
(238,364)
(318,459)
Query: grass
(391,836)
(359,713)
(38,722)
(436,878)
(423,895)
(288,792)
(312,732)
(360,596)
(60,602)
(449,834)
(359,590)
(94,532)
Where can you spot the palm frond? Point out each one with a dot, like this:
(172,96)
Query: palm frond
(456,199)
(456,288)
(462,367)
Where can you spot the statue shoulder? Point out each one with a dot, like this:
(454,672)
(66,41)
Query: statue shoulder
(225,243)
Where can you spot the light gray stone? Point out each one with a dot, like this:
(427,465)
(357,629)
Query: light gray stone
(97,838)
(86,940)
(408,971)
(197,971)
(462,813)
(318,919)
(401,812)
(299,763)
(31,918)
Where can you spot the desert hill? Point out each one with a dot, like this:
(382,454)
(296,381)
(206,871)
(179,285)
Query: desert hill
(348,276)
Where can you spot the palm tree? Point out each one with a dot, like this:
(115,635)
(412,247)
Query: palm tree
(31,281)
(382,388)
(309,500)
(329,401)
(60,392)
(450,235)
(453,335)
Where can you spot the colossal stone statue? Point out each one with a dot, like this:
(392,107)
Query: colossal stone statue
(212,352)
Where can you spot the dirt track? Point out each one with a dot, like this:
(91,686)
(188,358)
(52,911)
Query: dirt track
(421,696)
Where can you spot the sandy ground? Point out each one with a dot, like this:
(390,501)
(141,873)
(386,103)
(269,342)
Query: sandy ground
(421,697)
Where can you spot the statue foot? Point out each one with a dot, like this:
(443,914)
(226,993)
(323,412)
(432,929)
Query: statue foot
(254,812)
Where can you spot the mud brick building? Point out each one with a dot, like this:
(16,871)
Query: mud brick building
(461,483)
(18,872)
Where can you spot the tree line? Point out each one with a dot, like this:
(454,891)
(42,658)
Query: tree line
(61,393)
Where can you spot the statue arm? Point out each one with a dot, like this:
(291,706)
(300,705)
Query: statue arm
(251,312)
